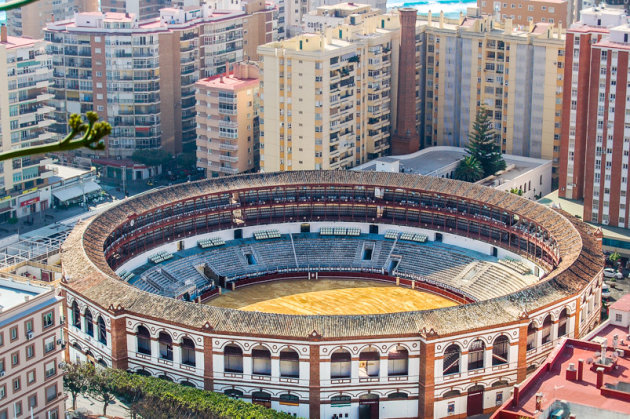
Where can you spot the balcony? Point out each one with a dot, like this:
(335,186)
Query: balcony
(228,124)
(228,147)
(231,159)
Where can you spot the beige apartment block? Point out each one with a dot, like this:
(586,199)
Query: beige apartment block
(30,20)
(516,74)
(25,118)
(344,117)
(227,121)
(524,12)
(140,75)
(31,352)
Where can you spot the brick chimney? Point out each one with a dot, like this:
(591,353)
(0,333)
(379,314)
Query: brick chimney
(3,33)
(406,138)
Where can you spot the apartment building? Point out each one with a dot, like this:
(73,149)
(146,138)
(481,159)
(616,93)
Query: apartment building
(292,12)
(345,117)
(515,73)
(31,350)
(227,121)
(596,116)
(330,16)
(140,75)
(524,12)
(24,121)
(29,21)
(142,9)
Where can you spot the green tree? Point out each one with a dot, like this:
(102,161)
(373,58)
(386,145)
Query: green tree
(76,379)
(102,387)
(483,146)
(151,157)
(468,169)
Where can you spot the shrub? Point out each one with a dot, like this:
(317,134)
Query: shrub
(157,398)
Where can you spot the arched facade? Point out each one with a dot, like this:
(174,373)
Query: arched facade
(318,366)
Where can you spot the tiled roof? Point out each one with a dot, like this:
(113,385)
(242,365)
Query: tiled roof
(88,274)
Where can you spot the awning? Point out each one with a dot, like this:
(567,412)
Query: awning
(76,191)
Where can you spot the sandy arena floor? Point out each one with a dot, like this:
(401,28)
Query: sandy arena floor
(329,296)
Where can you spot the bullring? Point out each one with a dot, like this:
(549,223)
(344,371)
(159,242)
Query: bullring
(452,361)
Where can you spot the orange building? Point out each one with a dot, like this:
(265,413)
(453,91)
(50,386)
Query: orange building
(522,12)
(227,121)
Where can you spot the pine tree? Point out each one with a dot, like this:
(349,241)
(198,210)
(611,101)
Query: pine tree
(482,145)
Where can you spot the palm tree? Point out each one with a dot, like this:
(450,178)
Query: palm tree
(469,169)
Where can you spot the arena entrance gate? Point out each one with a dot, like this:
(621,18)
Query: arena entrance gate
(368,406)
(475,400)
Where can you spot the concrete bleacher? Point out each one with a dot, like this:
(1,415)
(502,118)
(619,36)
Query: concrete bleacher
(479,276)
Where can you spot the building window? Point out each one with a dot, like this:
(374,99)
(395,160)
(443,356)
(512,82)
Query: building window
(76,315)
(32,401)
(289,363)
(500,350)
(398,361)
(233,359)
(89,323)
(451,360)
(3,391)
(546,330)
(562,323)
(476,354)
(261,361)
(15,359)
(17,409)
(30,351)
(14,333)
(28,326)
(340,364)
(188,352)
(16,384)
(52,414)
(618,317)
(144,340)
(102,331)
(50,369)
(369,363)
(48,319)
(166,346)
(51,393)
(30,377)
(49,344)
(531,336)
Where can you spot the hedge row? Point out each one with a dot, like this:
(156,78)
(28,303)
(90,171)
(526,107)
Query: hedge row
(152,397)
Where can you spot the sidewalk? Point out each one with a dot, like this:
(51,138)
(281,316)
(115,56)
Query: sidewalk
(89,406)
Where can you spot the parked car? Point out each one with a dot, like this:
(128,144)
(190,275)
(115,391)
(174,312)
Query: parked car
(605,291)
(612,273)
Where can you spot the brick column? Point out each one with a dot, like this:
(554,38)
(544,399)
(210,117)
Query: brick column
(426,390)
(521,368)
(118,333)
(314,389)
(208,371)
(406,138)
(577,318)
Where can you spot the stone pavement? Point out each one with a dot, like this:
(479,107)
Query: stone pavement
(88,406)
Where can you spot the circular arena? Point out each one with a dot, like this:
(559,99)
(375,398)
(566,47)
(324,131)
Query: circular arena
(332,293)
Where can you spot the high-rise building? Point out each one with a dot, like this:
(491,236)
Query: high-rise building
(524,12)
(515,73)
(140,75)
(292,12)
(24,118)
(595,127)
(31,338)
(330,16)
(29,21)
(142,9)
(227,121)
(345,116)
